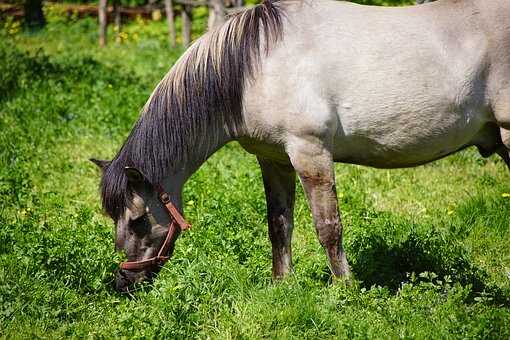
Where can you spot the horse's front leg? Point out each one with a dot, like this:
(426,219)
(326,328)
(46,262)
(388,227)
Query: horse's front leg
(314,165)
(279,184)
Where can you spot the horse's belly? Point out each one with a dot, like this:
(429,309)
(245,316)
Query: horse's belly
(405,140)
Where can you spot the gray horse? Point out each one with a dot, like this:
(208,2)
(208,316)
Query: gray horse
(304,84)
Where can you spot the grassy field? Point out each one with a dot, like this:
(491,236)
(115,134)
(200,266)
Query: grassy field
(429,246)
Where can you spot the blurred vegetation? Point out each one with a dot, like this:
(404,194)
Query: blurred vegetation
(145,2)
(428,246)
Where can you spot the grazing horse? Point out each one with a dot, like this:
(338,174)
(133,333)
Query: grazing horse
(304,84)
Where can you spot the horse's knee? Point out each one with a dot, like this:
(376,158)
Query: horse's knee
(329,233)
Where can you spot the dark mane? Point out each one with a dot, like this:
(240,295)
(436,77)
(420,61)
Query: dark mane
(202,93)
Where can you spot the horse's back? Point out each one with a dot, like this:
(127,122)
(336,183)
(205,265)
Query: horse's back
(391,84)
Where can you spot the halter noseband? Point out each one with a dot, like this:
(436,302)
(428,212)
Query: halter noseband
(175,226)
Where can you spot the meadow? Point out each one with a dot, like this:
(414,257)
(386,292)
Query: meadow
(429,247)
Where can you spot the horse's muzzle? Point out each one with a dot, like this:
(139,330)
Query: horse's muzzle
(125,279)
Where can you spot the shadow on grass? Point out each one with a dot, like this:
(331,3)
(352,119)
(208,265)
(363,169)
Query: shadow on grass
(377,259)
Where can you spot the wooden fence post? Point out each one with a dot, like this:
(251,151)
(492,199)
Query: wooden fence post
(117,19)
(152,5)
(169,8)
(103,21)
(34,15)
(186,24)
(216,14)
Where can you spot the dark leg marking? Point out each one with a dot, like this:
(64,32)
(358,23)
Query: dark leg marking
(279,184)
(314,166)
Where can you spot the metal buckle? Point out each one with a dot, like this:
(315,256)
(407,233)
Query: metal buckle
(165,198)
(160,260)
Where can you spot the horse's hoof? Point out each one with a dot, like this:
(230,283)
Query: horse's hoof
(345,280)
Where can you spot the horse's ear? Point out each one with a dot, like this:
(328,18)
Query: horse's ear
(134,175)
(100,163)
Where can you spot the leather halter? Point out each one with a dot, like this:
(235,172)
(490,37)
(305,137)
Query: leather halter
(176,225)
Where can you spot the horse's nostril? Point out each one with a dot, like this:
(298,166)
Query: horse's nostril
(122,282)
(125,279)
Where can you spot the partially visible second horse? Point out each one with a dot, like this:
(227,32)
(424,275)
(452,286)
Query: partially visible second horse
(304,84)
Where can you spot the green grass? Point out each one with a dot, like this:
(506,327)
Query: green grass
(429,246)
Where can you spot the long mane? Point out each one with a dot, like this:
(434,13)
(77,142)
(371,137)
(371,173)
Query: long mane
(202,92)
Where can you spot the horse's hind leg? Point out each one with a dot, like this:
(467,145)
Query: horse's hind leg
(504,152)
(279,184)
(314,165)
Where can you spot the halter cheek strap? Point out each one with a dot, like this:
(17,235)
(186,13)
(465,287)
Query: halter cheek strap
(176,225)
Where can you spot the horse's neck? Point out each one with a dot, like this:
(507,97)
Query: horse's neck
(197,156)
(202,151)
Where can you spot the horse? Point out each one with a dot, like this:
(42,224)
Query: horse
(301,85)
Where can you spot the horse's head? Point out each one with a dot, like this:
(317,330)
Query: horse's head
(141,228)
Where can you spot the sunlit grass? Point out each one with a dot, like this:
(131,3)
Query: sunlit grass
(428,246)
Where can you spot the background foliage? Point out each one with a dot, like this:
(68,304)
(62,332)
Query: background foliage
(428,246)
(145,2)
